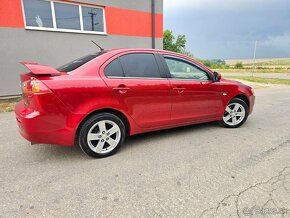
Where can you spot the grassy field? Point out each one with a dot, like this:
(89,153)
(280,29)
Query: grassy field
(261,80)
(281,65)
(251,70)
(261,62)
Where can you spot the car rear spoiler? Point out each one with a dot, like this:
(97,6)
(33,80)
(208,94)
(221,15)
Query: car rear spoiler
(39,69)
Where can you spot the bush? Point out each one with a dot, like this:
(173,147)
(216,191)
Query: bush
(239,65)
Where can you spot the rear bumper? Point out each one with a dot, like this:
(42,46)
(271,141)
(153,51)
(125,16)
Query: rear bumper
(40,127)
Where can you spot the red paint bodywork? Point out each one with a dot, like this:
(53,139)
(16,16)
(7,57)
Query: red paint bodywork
(146,104)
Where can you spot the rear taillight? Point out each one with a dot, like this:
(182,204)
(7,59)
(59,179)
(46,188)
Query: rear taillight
(34,86)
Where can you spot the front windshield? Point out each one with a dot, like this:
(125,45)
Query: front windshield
(78,62)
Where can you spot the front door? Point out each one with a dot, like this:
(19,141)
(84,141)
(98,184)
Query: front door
(195,96)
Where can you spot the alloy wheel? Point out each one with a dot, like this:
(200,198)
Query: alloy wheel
(234,114)
(104,136)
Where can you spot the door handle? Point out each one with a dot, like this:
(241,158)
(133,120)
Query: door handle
(121,89)
(179,89)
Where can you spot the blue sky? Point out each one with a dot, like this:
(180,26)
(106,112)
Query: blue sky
(228,29)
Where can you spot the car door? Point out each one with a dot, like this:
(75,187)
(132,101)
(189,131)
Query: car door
(140,87)
(195,96)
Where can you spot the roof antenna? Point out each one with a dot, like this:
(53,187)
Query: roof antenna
(98,46)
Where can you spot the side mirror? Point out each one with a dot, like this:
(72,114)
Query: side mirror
(216,77)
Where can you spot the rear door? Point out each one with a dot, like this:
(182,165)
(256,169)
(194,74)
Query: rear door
(139,85)
(195,96)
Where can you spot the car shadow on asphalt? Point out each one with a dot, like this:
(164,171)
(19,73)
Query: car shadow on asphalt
(55,152)
(137,140)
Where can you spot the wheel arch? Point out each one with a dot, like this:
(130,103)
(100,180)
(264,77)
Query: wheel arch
(117,113)
(243,97)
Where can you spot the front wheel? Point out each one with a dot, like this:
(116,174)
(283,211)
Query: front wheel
(101,135)
(236,114)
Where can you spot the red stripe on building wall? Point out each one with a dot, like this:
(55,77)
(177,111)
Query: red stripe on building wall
(132,23)
(119,21)
(11,14)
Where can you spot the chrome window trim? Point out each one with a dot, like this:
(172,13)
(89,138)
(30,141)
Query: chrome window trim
(201,80)
(152,78)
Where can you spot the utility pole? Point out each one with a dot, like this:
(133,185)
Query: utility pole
(153,22)
(93,14)
(254,59)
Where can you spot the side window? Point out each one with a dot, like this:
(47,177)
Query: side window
(183,70)
(78,62)
(114,69)
(140,65)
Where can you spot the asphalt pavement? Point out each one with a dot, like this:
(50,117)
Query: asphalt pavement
(195,171)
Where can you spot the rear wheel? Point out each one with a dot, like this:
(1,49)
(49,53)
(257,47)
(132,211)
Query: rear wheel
(101,135)
(236,114)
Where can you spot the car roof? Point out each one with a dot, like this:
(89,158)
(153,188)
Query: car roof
(112,52)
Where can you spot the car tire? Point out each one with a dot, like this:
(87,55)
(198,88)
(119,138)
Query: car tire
(101,135)
(235,115)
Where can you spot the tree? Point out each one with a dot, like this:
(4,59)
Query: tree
(170,44)
(188,53)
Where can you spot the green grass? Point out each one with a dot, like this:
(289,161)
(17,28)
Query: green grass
(274,62)
(261,80)
(250,70)
(264,62)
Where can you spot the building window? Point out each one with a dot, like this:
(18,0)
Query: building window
(93,19)
(66,17)
(38,13)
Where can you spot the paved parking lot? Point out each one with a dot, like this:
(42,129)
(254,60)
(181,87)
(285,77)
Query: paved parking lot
(195,171)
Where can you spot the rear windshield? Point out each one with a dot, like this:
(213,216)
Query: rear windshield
(78,62)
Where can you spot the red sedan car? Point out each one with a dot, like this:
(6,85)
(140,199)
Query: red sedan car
(99,99)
